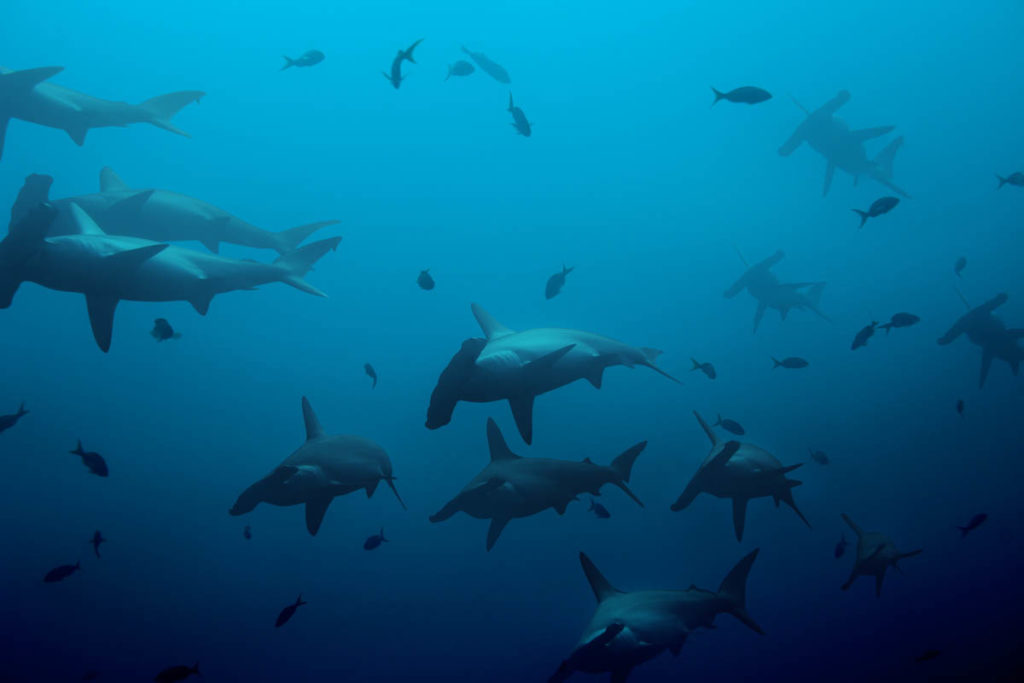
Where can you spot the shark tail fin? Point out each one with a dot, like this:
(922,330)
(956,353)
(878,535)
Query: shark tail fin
(863,217)
(786,496)
(391,484)
(163,108)
(300,261)
(734,591)
(407,54)
(651,355)
(1002,181)
(718,95)
(600,585)
(290,239)
(623,466)
(885,158)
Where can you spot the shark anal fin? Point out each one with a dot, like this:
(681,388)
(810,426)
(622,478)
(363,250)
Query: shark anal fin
(101,317)
(77,135)
(371,488)
(522,412)
(739,516)
(316,508)
(201,302)
(494,531)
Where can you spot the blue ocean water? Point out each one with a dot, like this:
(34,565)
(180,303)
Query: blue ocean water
(631,178)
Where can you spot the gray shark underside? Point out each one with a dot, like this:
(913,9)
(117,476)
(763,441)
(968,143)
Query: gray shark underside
(989,333)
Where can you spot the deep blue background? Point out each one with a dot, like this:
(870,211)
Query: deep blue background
(631,178)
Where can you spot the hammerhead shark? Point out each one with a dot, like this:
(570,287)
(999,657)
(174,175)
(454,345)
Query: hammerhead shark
(323,467)
(762,284)
(165,216)
(27,96)
(519,366)
(989,332)
(740,471)
(875,554)
(844,148)
(628,629)
(512,486)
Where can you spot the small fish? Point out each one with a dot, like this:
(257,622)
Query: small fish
(976,521)
(862,337)
(960,407)
(94,461)
(927,655)
(396,77)
(841,546)
(247,532)
(878,207)
(162,330)
(959,266)
(791,363)
(97,539)
(820,457)
(62,572)
(288,612)
(8,421)
(460,68)
(555,283)
(519,121)
(311,58)
(424,280)
(600,511)
(371,373)
(900,320)
(748,94)
(707,368)
(490,67)
(1013,179)
(730,426)
(375,541)
(177,673)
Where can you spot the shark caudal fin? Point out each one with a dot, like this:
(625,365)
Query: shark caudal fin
(651,355)
(17,84)
(290,239)
(600,585)
(786,496)
(884,159)
(299,262)
(162,108)
(734,591)
(622,465)
(407,53)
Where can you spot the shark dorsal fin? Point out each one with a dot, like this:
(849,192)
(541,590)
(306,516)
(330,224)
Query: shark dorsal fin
(313,428)
(491,327)
(602,589)
(110,181)
(83,222)
(706,428)
(496,443)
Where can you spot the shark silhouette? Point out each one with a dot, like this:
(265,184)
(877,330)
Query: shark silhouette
(990,333)
(770,293)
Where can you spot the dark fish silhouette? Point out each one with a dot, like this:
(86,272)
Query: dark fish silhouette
(519,121)
(62,572)
(162,330)
(791,363)
(820,457)
(1012,179)
(900,320)
(8,421)
(878,207)
(424,280)
(396,77)
(94,461)
(177,673)
(311,58)
(841,546)
(960,407)
(288,612)
(862,337)
(600,511)
(247,532)
(375,541)
(97,539)
(959,266)
(927,655)
(748,94)
(491,68)
(459,68)
(555,283)
(976,521)
(707,368)
(371,373)
(730,426)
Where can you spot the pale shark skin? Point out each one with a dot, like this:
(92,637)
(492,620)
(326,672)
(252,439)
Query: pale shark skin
(165,216)
(844,148)
(875,554)
(990,333)
(519,366)
(512,487)
(780,296)
(324,467)
(740,471)
(628,629)
(25,95)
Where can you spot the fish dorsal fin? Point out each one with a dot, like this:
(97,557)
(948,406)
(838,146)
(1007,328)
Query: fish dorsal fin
(492,328)
(313,428)
(496,443)
(110,181)
(83,222)
(602,589)
(706,428)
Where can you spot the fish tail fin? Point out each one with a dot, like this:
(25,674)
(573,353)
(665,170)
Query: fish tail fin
(299,602)
(734,591)
(719,421)
(1002,181)
(382,539)
(163,108)
(886,327)
(718,95)
(290,239)
(78,449)
(863,217)
(297,263)
(696,365)
(288,62)
(21,410)
(777,362)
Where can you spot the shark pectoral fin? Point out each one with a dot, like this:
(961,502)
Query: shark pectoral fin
(493,531)
(77,135)
(522,413)
(986,363)
(101,317)
(128,208)
(707,429)
(125,263)
(538,367)
(791,145)
(830,170)
(201,302)
(371,488)
(739,516)
(316,508)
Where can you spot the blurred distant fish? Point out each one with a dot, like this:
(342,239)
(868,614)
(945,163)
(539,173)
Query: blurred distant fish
(96,540)
(748,94)
(311,58)
(556,282)
(791,363)
(707,368)
(396,77)
(861,339)
(288,612)
(371,373)
(1016,179)
(375,541)
(162,330)
(959,266)
(841,546)
(491,68)
(730,426)
(424,280)
(62,572)
(247,532)
(900,320)
(519,121)
(94,461)
(8,421)
(976,521)
(927,655)
(878,207)
(820,457)
(600,511)
(960,407)
(177,673)
(459,68)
